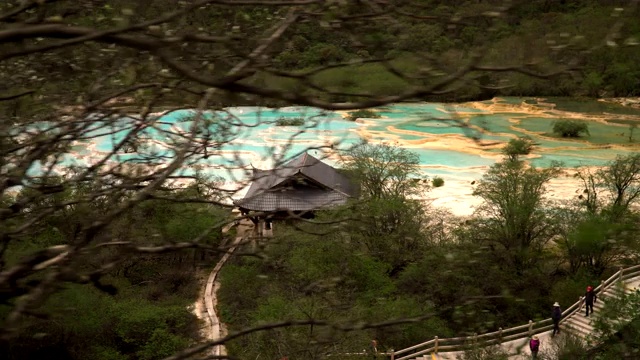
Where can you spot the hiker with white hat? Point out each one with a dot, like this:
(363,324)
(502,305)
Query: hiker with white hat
(556,315)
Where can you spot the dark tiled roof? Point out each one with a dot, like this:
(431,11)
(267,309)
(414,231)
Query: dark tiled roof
(265,194)
(293,200)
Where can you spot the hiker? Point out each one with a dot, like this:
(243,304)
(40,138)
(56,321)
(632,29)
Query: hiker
(374,348)
(556,315)
(590,298)
(534,346)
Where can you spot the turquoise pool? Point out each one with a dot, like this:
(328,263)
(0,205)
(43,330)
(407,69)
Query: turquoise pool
(255,139)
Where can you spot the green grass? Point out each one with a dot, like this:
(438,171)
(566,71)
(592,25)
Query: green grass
(371,79)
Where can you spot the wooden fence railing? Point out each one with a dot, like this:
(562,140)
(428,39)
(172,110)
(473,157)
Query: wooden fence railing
(503,335)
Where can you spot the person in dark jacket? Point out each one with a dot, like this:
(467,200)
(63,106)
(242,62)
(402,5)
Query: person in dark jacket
(374,348)
(556,315)
(590,298)
(534,346)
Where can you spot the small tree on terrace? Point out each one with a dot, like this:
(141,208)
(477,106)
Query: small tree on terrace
(571,128)
(523,145)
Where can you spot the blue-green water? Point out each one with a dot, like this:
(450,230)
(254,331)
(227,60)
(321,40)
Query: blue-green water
(256,140)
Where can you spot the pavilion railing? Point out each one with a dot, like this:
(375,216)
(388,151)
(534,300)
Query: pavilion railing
(503,335)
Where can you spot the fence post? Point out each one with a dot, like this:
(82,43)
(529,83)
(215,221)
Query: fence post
(435,347)
(393,354)
(500,336)
(620,273)
(475,338)
(530,328)
(580,298)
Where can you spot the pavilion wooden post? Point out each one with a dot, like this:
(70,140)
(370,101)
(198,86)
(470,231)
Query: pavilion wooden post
(255,233)
(260,228)
(255,221)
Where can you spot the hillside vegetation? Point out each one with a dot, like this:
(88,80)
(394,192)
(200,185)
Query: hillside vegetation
(542,32)
(130,307)
(578,44)
(99,257)
(402,273)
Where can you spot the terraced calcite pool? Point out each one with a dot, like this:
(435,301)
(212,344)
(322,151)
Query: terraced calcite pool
(455,141)
(472,134)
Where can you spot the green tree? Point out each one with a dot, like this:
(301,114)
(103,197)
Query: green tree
(570,128)
(605,224)
(389,223)
(384,170)
(523,145)
(621,179)
(595,245)
(142,300)
(393,229)
(591,200)
(304,276)
(515,220)
(617,329)
(593,83)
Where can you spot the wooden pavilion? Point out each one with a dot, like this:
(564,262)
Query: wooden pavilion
(299,188)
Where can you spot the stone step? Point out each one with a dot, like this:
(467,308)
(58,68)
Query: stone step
(581,325)
(578,331)
(580,318)
(610,294)
(613,288)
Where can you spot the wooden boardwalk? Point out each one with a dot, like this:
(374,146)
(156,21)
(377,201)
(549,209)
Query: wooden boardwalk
(244,230)
(516,340)
(577,324)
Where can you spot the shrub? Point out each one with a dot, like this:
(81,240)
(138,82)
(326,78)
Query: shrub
(437,181)
(565,347)
(516,147)
(484,353)
(570,128)
(296,121)
(162,344)
(363,113)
